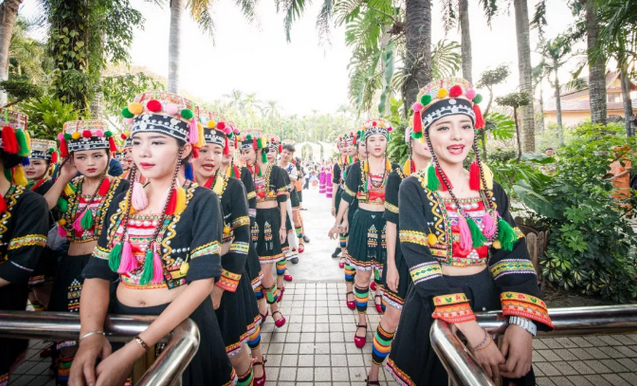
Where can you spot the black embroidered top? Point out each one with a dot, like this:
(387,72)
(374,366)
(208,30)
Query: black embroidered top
(391,195)
(190,242)
(336,174)
(23,229)
(428,228)
(77,202)
(236,229)
(248,183)
(363,186)
(271,186)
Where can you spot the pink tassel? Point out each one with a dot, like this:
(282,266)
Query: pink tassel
(77,223)
(193,135)
(466,243)
(488,226)
(139,198)
(61,231)
(129,262)
(158,271)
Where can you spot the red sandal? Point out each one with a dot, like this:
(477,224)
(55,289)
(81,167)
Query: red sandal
(360,341)
(379,307)
(278,323)
(373,286)
(261,380)
(350,304)
(281,292)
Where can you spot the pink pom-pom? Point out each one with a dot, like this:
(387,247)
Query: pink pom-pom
(77,223)
(488,225)
(172,109)
(417,107)
(139,198)
(471,94)
(128,121)
(227,130)
(466,242)
(235,130)
(99,133)
(390,128)
(61,231)
(61,137)
(128,262)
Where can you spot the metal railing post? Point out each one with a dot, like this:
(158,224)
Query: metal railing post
(182,342)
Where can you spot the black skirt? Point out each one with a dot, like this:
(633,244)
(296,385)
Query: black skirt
(412,360)
(366,247)
(68,283)
(289,228)
(337,198)
(268,242)
(46,268)
(253,267)
(210,365)
(236,315)
(391,298)
(13,297)
(294,198)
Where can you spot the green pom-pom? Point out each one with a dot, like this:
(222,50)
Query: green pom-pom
(115,257)
(476,235)
(87,220)
(126,113)
(50,150)
(425,99)
(249,137)
(506,235)
(22,142)
(147,274)
(477,99)
(264,157)
(415,135)
(67,136)
(187,114)
(108,134)
(432,178)
(62,205)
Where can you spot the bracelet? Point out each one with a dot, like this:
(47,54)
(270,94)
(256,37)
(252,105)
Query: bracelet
(525,323)
(483,348)
(91,333)
(484,343)
(142,343)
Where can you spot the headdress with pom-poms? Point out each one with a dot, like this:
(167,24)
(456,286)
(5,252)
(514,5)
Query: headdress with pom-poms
(371,127)
(253,139)
(43,149)
(14,140)
(215,130)
(85,135)
(452,96)
(274,142)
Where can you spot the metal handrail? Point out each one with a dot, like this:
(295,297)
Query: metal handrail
(463,368)
(182,342)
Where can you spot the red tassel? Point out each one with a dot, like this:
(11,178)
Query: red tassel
(172,203)
(412,166)
(254,144)
(3,205)
(237,173)
(474,176)
(195,152)
(64,150)
(106,184)
(417,122)
(111,144)
(226,147)
(479,119)
(442,186)
(54,157)
(208,184)
(9,141)
(280,149)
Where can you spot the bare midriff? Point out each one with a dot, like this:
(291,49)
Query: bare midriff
(450,270)
(79,249)
(147,297)
(267,204)
(371,207)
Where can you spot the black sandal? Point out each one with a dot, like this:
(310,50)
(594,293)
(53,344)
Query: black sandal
(371,383)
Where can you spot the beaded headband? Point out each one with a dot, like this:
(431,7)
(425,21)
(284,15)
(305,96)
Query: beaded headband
(85,135)
(43,149)
(216,130)
(252,139)
(374,126)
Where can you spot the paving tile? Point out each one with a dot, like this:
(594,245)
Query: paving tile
(337,337)
(305,374)
(322,327)
(613,365)
(355,360)
(306,360)
(581,367)
(552,343)
(597,380)
(610,340)
(21,380)
(306,348)
(597,366)
(549,355)
(629,377)
(273,361)
(562,381)
(547,369)
(595,341)
(565,342)
(289,361)
(632,337)
(357,374)
(321,360)
(611,352)
(307,337)
(565,354)
(340,374)
(291,348)
(337,348)
(580,380)
(580,342)
(339,360)
(596,353)
(322,337)
(628,363)
(580,353)
(538,344)
(564,368)
(627,351)
(278,338)
(287,374)
(322,348)
(614,379)
(544,381)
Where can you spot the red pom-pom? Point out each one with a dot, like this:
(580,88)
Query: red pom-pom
(86,134)
(64,150)
(122,136)
(280,148)
(106,184)
(254,144)
(153,105)
(480,123)
(226,147)
(54,157)
(172,203)
(474,176)
(417,122)
(221,125)
(374,123)
(455,91)
(112,145)
(9,141)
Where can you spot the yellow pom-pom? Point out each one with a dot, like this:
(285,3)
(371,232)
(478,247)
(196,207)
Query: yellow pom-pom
(184,268)
(407,167)
(127,133)
(201,142)
(442,93)
(387,164)
(135,108)
(62,222)
(19,177)
(212,124)
(497,244)
(180,205)
(76,135)
(432,239)
(365,167)
(226,230)
(68,190)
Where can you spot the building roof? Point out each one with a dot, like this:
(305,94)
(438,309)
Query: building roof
(583,105)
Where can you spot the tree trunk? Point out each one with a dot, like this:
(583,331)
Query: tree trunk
(465,40)
(558,106)
(8,14)
(418,49)
(541,105)
(526,73)
(596,67)
(174,45)
(628,103)
(518,132)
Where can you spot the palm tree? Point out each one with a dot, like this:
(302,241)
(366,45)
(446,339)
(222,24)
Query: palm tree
(417,70)
(526,73)
(596,64)
(556,52)
(8,15)
(271,110)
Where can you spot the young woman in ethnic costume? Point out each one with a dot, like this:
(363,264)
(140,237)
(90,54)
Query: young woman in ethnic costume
(82,203)
(38,173)
(329,169)
(322,174)
(232,297)
(24,216)
(337,184)
(463,249)
(285,162)
(126,158)
(395,274)
(162,241)
(272,194)
(365,184)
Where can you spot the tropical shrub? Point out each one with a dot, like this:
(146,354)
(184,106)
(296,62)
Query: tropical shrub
(47,116)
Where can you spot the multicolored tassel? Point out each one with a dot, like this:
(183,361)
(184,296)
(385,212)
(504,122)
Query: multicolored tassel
(432,178)
(466,242)
(506,235)
(477,237)
(115,257)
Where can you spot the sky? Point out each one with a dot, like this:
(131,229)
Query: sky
(302,75)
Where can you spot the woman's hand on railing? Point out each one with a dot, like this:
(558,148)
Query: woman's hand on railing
(117,367)
(517,347)
(83,368)
(484,350)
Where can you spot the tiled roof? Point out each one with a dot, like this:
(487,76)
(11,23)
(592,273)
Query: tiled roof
(583,105)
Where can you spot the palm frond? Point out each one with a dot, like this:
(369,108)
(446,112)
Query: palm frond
(324,20)
(490,8)
(292,11)
(449,15)
(346,10)
(445,59)
(574,85)
(249,9)
(200,12)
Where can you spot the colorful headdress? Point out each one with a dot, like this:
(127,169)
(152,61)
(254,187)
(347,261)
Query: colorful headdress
(341,141)
(274,142)
(251,138)
(374,126)
(15,138)
(445,97)
(165,113)
(85,135)
(128,141)
(43,149)
(216,130)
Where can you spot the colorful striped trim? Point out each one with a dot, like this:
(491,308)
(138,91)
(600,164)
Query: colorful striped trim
(212,248)
(240,221)
(271,259)
(399,376)
(425,271)
(446,300)
(240,248)
(414,237)
(526,306)
(455,313)
(101,253)
(392,299)
(512,266)
(235,348)
(251,195)
(363,265)
(233,379)
(391,208)
(348,191)
(228,281)
(27,241)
